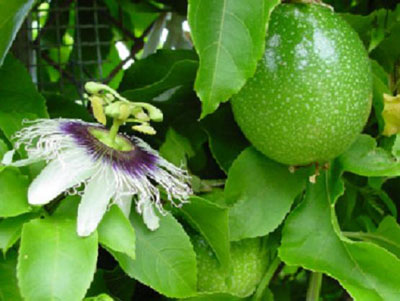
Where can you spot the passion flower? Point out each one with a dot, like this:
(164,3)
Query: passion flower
(112,166)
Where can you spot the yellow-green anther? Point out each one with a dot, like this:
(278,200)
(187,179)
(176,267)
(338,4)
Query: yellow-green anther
(144,128)
(98,110)
(391,114)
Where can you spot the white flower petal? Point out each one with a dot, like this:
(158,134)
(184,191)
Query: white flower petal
(125,203)
(8,157)
(149,216)
(58,176)
(95,200)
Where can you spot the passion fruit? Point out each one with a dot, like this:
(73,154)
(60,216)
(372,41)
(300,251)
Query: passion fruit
(311,94)
(249,261)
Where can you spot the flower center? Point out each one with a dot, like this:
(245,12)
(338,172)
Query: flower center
(118,143)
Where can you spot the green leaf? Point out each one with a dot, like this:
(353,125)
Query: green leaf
(224,136)
(181,73)
(211,221)
(387,235)
(176,148)
(229,37)
(262,192)
(165,259)
(311,238)
(13,193)
(60,106)
(54,263)
(364,158)
(8,278)
(214,297)
(12,14)
(19,97)
(120,286)
(10,230)
(388,51)
(154,68)
(116,232)
(3,148)
(102,297)
(379,88)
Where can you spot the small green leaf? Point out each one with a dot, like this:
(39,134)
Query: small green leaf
(262,192)
(165,259)
(3,148)
(8,278)
(13,193)
(364,158)
(176,148)
(312,239)
(12,14)
(116,232)
(10,230)
(102,297)
(387,235)
(54,263)
(229,37)
(211,221)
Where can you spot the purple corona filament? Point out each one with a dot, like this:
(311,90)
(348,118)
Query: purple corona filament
(135,162)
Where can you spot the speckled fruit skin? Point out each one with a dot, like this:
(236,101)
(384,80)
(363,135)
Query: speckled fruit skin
(311,94)
(249,261)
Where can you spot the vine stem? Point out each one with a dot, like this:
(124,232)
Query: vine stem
(267,278)
(314,286)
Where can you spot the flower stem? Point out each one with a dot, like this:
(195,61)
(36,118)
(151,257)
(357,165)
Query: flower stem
(267,278)
(114,128)
(314,286)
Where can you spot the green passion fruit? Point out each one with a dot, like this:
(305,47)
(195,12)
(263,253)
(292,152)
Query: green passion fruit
(311,94)
(249,261)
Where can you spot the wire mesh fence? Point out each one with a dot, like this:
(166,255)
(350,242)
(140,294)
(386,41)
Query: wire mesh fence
(65,43)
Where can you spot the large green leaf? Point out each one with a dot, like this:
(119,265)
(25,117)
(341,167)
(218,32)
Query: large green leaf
(262,192)
(116,232)
(8,277)
(12,14)
(311,238)
(229,36)
(366,159)
(165,259)
(13,193)
(211,221)
(19,97)
(54,263)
